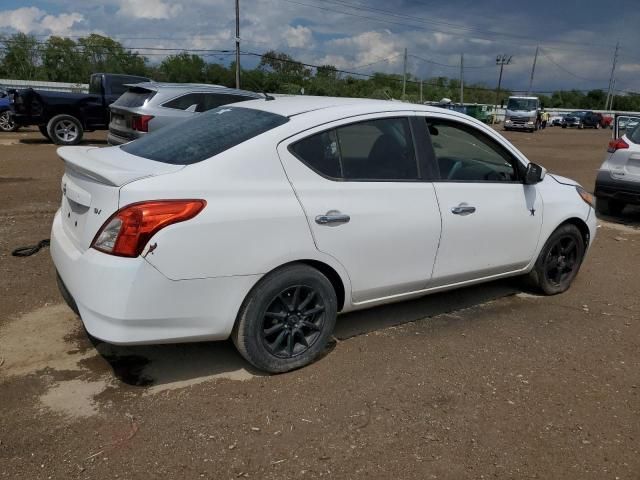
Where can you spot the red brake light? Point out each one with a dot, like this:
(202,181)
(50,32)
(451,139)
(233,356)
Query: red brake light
(129,229)
(617,144)
(141,122)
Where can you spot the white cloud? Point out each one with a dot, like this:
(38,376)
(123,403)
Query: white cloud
(298,37)
(32,19)
(149,9)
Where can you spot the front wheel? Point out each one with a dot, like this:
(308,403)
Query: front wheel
(559,260)
(287,319)
(65,130)
(6,122)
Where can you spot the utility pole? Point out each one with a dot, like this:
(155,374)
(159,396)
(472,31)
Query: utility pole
(501,60)
(613,94)
(462,79)
(612,77)
(420,91)
(404,75)
(237,43)
(533,70)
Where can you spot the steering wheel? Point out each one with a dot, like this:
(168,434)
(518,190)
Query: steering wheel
(454,170)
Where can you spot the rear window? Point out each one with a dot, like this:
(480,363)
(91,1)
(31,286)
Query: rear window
(204,136)
(134,97)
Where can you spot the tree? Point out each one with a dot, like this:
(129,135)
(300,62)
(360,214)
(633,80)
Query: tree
(103,54)
(283,65)
(62,61)
(21,57)
(183,68)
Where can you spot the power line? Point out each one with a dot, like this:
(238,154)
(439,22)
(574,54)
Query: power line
(447,65)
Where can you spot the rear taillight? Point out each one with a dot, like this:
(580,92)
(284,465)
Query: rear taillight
(617,144)
(141,122)
(129,229)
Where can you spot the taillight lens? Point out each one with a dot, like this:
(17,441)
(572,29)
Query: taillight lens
(617,144)
(141,122)
(129,229)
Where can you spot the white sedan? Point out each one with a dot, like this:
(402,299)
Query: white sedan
(263,221)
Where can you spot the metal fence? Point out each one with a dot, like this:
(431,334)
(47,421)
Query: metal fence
(50,86)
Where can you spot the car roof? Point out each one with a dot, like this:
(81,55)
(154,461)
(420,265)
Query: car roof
(292,105)
(176,88)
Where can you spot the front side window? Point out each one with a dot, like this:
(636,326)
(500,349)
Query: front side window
(465,154)
(378,150)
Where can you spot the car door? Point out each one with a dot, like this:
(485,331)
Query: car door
(491,221)
(368,201)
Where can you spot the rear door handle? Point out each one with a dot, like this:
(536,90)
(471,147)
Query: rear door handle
(333,217)
(463,209)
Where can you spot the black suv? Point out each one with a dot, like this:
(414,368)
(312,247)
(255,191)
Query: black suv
(583,119)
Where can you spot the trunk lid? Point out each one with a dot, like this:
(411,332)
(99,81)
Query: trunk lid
(91,186)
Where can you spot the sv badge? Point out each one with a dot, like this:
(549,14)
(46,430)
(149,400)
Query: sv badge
(97,211)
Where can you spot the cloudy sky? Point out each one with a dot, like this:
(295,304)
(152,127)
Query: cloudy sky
(576,37)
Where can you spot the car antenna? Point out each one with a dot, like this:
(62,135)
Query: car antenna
(267,97)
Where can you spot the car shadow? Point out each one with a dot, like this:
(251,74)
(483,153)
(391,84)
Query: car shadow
(171,366)
(629,217)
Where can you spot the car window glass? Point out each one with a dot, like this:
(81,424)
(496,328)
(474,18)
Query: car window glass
(204,136)
(134,97)
(185,101)
(377,150)
(320,153)
(95,85)
(213,100)
(464,153)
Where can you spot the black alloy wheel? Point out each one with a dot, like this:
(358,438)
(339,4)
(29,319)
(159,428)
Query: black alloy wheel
(287,319)
(293,321)
(561,260)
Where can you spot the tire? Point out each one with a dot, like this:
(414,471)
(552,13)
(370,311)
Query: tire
(597,127)
(43,131)
(564,126)
(559,261)
(609,207)
(65,130)
(277,310)
(6,123)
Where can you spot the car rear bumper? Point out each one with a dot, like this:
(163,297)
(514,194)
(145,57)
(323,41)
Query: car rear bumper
(126,301)
(620,190)
(115,137)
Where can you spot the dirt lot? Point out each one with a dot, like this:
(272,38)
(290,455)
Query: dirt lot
(487,382)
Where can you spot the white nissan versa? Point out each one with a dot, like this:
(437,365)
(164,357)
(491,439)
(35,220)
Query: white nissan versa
(262,221)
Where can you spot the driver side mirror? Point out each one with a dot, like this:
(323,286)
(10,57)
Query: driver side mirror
(533,174)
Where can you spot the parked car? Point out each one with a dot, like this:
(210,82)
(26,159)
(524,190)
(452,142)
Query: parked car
(145,107)
(584,119)
(618,179)
(556,121)
(63,117)
(6,122)
(263,220)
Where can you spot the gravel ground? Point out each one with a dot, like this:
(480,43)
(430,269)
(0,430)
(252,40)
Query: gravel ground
(485,382)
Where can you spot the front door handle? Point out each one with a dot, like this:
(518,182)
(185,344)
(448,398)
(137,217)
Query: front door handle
(463,209)
(333,217)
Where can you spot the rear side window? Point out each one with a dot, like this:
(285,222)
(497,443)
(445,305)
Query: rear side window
(378,150)
(213,100)
(634,135)
(185,101)
(134,97)
(204,136)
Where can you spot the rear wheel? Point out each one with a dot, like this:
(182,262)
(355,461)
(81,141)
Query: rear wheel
(287,319)
(559,260)
(65,130)
(6,122)
(607,206)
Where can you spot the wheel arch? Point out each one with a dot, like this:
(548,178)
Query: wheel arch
(582,226)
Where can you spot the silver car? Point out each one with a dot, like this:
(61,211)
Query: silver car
(148,106)
(618,180)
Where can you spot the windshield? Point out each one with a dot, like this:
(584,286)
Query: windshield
(527,104)
(577,114)
(204,135)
